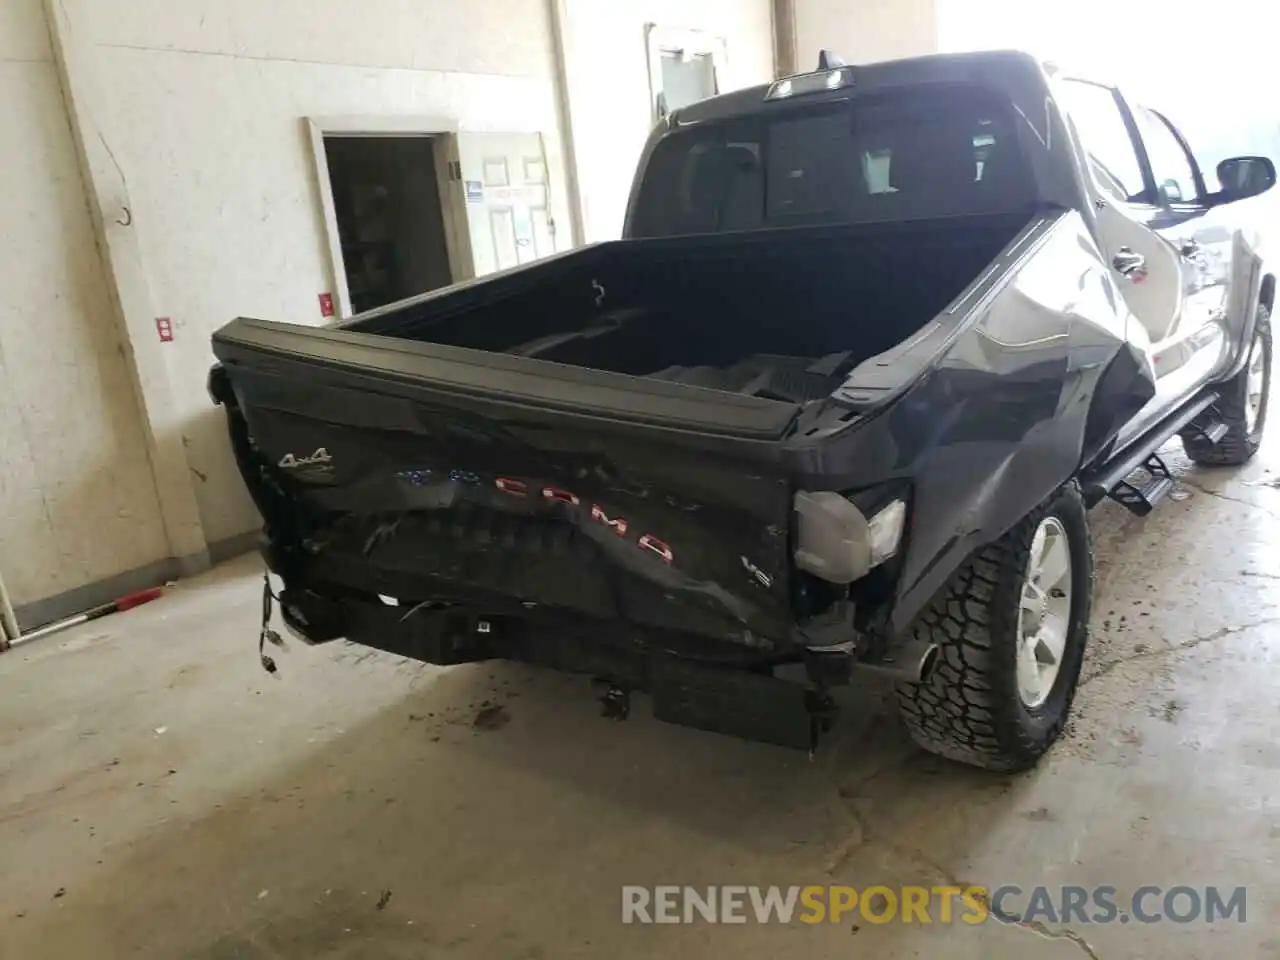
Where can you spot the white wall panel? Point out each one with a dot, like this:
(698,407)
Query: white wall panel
(865,31)
(77,499)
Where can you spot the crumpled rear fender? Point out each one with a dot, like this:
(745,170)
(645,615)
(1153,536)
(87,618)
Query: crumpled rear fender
(1038,383)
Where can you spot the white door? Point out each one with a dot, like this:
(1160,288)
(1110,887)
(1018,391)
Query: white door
(505,189)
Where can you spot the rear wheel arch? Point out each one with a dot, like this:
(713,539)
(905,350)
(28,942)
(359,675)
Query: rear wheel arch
(1120,392)
(968,706)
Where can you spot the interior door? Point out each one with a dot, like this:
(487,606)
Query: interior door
(506,190)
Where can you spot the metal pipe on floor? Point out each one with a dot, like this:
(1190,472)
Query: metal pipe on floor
(115,606)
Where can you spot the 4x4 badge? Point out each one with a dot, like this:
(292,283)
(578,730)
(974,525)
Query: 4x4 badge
(289,461)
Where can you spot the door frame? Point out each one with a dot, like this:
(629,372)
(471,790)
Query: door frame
(660,39)
(442,132)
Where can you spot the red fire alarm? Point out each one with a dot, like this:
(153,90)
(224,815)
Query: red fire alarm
(326,304)
(164,327)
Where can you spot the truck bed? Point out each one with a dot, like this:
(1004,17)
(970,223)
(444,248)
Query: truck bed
(781,314)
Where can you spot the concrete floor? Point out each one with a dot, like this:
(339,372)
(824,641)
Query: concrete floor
(160,796)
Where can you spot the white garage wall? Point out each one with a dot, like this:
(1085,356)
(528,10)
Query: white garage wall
(609,99)
(77,499)
(865,31)
(204,103)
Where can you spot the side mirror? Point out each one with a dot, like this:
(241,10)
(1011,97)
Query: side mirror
(1243,177)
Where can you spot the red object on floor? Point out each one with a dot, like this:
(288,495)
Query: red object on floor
(139,598)
(127,602)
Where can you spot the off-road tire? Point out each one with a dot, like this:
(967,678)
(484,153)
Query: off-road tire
(1239,445)
(968,707)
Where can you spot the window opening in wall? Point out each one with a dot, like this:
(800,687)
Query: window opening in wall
(684,67)
(686,79)
(390,220)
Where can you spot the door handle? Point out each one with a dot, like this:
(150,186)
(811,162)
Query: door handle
(1130,264)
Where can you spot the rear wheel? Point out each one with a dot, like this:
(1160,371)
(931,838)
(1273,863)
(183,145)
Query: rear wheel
(1010,631)
(1242,407)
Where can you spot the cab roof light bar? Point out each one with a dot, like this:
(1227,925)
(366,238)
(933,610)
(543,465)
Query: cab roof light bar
(832,74)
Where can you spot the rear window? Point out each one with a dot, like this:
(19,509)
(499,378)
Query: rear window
(910,155)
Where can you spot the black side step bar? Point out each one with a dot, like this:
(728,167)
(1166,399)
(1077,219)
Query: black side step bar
(1212,432)
(1142,499)
(1109,479)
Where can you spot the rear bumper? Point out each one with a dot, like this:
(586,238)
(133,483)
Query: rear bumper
(729,697)
(330,602)
(498,565)
(352,596)
(691,681)
(447,636)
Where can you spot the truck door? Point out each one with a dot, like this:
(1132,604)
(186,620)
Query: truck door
(1135,224)
(1201,235)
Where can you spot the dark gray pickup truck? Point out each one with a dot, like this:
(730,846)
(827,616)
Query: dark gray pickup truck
(875,339)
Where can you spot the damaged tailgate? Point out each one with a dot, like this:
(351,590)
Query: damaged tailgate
(433,473)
